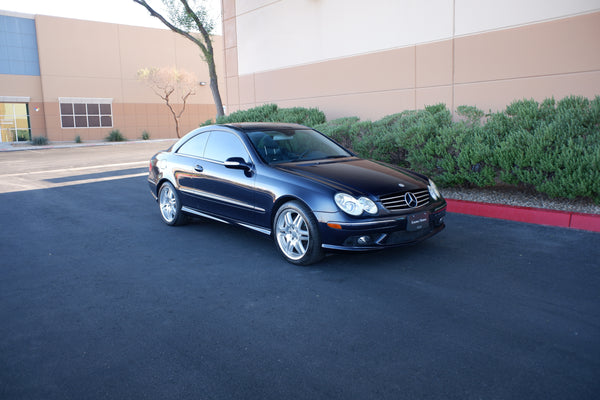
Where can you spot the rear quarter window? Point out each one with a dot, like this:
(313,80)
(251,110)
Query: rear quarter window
(195,146)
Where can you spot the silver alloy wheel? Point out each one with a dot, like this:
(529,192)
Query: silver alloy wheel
(168,203)
(293,236)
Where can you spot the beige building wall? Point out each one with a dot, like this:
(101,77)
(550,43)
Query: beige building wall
(85,59)
(348,59)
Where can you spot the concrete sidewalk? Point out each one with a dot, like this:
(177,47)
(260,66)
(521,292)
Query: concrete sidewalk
(11,146)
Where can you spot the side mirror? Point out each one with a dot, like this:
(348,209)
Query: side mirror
(237,163)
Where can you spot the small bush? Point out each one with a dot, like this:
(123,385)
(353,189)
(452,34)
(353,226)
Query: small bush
(39,140)
(299,115)
(272,113)
(145,135)
(470,115)
(115,136)
(257,114)
(77,139)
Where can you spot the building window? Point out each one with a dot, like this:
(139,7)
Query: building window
(85,113)
(14,122)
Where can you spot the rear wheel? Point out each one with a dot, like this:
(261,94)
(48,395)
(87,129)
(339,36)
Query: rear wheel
(297,234)
(170,205)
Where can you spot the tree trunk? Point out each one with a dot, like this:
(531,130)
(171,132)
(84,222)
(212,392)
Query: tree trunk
(214,87)
(174,118)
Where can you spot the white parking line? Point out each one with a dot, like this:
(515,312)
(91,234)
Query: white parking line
(106,178)
(42,179)
(63,170)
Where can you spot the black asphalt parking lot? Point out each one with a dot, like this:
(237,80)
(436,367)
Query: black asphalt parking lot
(101,300)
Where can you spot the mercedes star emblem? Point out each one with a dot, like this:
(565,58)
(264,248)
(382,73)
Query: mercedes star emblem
(410,199)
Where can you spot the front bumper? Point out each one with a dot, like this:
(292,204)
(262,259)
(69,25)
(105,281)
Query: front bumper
(383,232)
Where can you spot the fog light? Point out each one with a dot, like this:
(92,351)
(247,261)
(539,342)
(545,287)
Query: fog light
(364,240)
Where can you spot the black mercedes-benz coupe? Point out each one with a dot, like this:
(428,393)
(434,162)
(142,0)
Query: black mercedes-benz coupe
(296,184)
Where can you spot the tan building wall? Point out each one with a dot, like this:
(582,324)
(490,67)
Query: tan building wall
(85,59)
(463,52)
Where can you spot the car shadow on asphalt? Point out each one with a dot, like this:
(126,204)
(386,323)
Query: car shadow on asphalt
(261,247)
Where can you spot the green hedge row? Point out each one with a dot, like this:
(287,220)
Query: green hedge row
(552,146)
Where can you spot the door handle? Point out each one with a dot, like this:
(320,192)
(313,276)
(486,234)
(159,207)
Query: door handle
(199,168)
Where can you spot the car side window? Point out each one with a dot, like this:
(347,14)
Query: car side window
(195,146)
(223,145)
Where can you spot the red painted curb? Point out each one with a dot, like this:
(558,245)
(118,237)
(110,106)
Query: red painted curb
(541,216)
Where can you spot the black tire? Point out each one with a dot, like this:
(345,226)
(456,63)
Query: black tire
(296,234)
(170,205)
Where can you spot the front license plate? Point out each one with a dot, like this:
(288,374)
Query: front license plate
(417,221)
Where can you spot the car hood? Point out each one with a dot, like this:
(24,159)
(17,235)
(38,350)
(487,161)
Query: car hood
(357,175)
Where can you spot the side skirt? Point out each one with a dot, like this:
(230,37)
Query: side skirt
(245,225)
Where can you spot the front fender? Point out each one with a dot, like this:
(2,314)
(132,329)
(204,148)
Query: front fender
(279,188)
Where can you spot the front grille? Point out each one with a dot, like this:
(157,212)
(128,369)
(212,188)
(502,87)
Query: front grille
(397,201)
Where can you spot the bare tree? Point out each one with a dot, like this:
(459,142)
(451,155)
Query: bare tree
(184,20)
(170,84)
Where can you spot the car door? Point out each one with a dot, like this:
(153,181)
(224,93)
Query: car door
(223,191)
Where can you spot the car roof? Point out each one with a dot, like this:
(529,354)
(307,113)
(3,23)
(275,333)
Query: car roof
(254,126)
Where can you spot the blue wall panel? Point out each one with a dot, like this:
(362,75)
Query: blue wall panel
(18,46)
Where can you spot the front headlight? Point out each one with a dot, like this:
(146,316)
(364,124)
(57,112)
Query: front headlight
(353,206)
(433,190)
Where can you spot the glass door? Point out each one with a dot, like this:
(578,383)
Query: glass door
(14,122)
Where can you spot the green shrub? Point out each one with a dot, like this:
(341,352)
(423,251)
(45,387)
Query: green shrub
(340,130)
(77,139)
(299,115)
(391,138)
(470,115)
(552,146)
(145,135)
(115,136)
(272,113)
(39,140)
(456,155)
(256,114)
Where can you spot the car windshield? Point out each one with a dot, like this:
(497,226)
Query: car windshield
(289,145)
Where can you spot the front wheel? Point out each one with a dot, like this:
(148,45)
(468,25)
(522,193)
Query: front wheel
(297,234)
(170,205)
